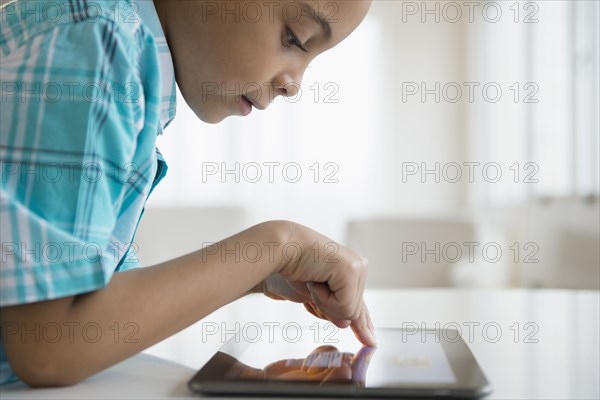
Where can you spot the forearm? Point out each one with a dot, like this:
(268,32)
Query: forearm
(137,309)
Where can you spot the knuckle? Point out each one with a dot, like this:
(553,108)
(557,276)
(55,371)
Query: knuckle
(347,311)
(359,265)
(365,260)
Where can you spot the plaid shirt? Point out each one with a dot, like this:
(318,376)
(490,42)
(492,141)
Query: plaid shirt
(86,87)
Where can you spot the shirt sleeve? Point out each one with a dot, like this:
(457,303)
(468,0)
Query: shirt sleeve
(71,116)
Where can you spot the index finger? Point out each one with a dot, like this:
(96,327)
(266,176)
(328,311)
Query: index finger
(363,327)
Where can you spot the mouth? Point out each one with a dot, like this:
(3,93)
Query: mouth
(255,105)
(245,106)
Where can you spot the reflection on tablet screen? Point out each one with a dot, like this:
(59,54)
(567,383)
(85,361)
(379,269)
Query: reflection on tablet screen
(411,359)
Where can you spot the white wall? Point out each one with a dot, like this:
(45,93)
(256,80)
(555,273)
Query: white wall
(416,131)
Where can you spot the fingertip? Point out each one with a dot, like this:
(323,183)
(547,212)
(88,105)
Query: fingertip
(365,336)
(370,339)
(372,335)
(370,325)
(373,339)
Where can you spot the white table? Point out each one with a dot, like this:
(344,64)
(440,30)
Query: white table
(531,344)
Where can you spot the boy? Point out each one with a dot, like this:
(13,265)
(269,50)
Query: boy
(86,88)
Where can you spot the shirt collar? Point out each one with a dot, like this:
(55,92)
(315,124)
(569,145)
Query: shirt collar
(149,17)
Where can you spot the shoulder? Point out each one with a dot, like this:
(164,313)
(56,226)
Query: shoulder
(78,56)
(80,81)
(27,22)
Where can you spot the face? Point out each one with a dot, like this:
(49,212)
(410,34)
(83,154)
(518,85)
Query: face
(231,56)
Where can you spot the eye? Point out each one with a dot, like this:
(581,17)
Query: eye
(293,40)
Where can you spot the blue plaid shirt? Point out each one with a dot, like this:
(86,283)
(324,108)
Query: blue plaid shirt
(86,87)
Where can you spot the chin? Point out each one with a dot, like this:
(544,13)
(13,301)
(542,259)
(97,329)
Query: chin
(209,117)
(212,120)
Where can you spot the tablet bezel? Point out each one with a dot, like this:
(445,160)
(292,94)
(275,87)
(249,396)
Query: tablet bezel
(470,379)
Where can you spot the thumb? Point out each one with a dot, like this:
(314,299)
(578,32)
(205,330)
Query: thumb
(319,291)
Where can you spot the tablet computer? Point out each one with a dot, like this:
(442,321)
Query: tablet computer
(309,362)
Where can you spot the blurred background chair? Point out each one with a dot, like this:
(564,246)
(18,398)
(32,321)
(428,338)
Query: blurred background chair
(410,252)
(563,239)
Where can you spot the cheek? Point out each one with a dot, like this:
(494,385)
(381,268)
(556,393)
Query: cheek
(242,59)
(251,53)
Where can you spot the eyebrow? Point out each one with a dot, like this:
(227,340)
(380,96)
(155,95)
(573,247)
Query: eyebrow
(316,17)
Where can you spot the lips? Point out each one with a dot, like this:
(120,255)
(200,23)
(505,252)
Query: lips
(255,105)
(245,105)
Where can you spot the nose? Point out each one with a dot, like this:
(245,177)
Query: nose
(291,88)
(289,84)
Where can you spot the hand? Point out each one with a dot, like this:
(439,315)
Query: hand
(327,278)
(324,364)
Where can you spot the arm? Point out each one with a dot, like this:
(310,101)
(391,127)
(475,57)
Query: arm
(166,298)
(159,300)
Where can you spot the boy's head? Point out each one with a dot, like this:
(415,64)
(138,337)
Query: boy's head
(231,51)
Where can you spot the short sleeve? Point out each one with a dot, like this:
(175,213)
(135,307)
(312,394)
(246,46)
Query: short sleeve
(71,116)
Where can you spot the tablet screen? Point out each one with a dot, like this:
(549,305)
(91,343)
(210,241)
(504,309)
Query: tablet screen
(410,358)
